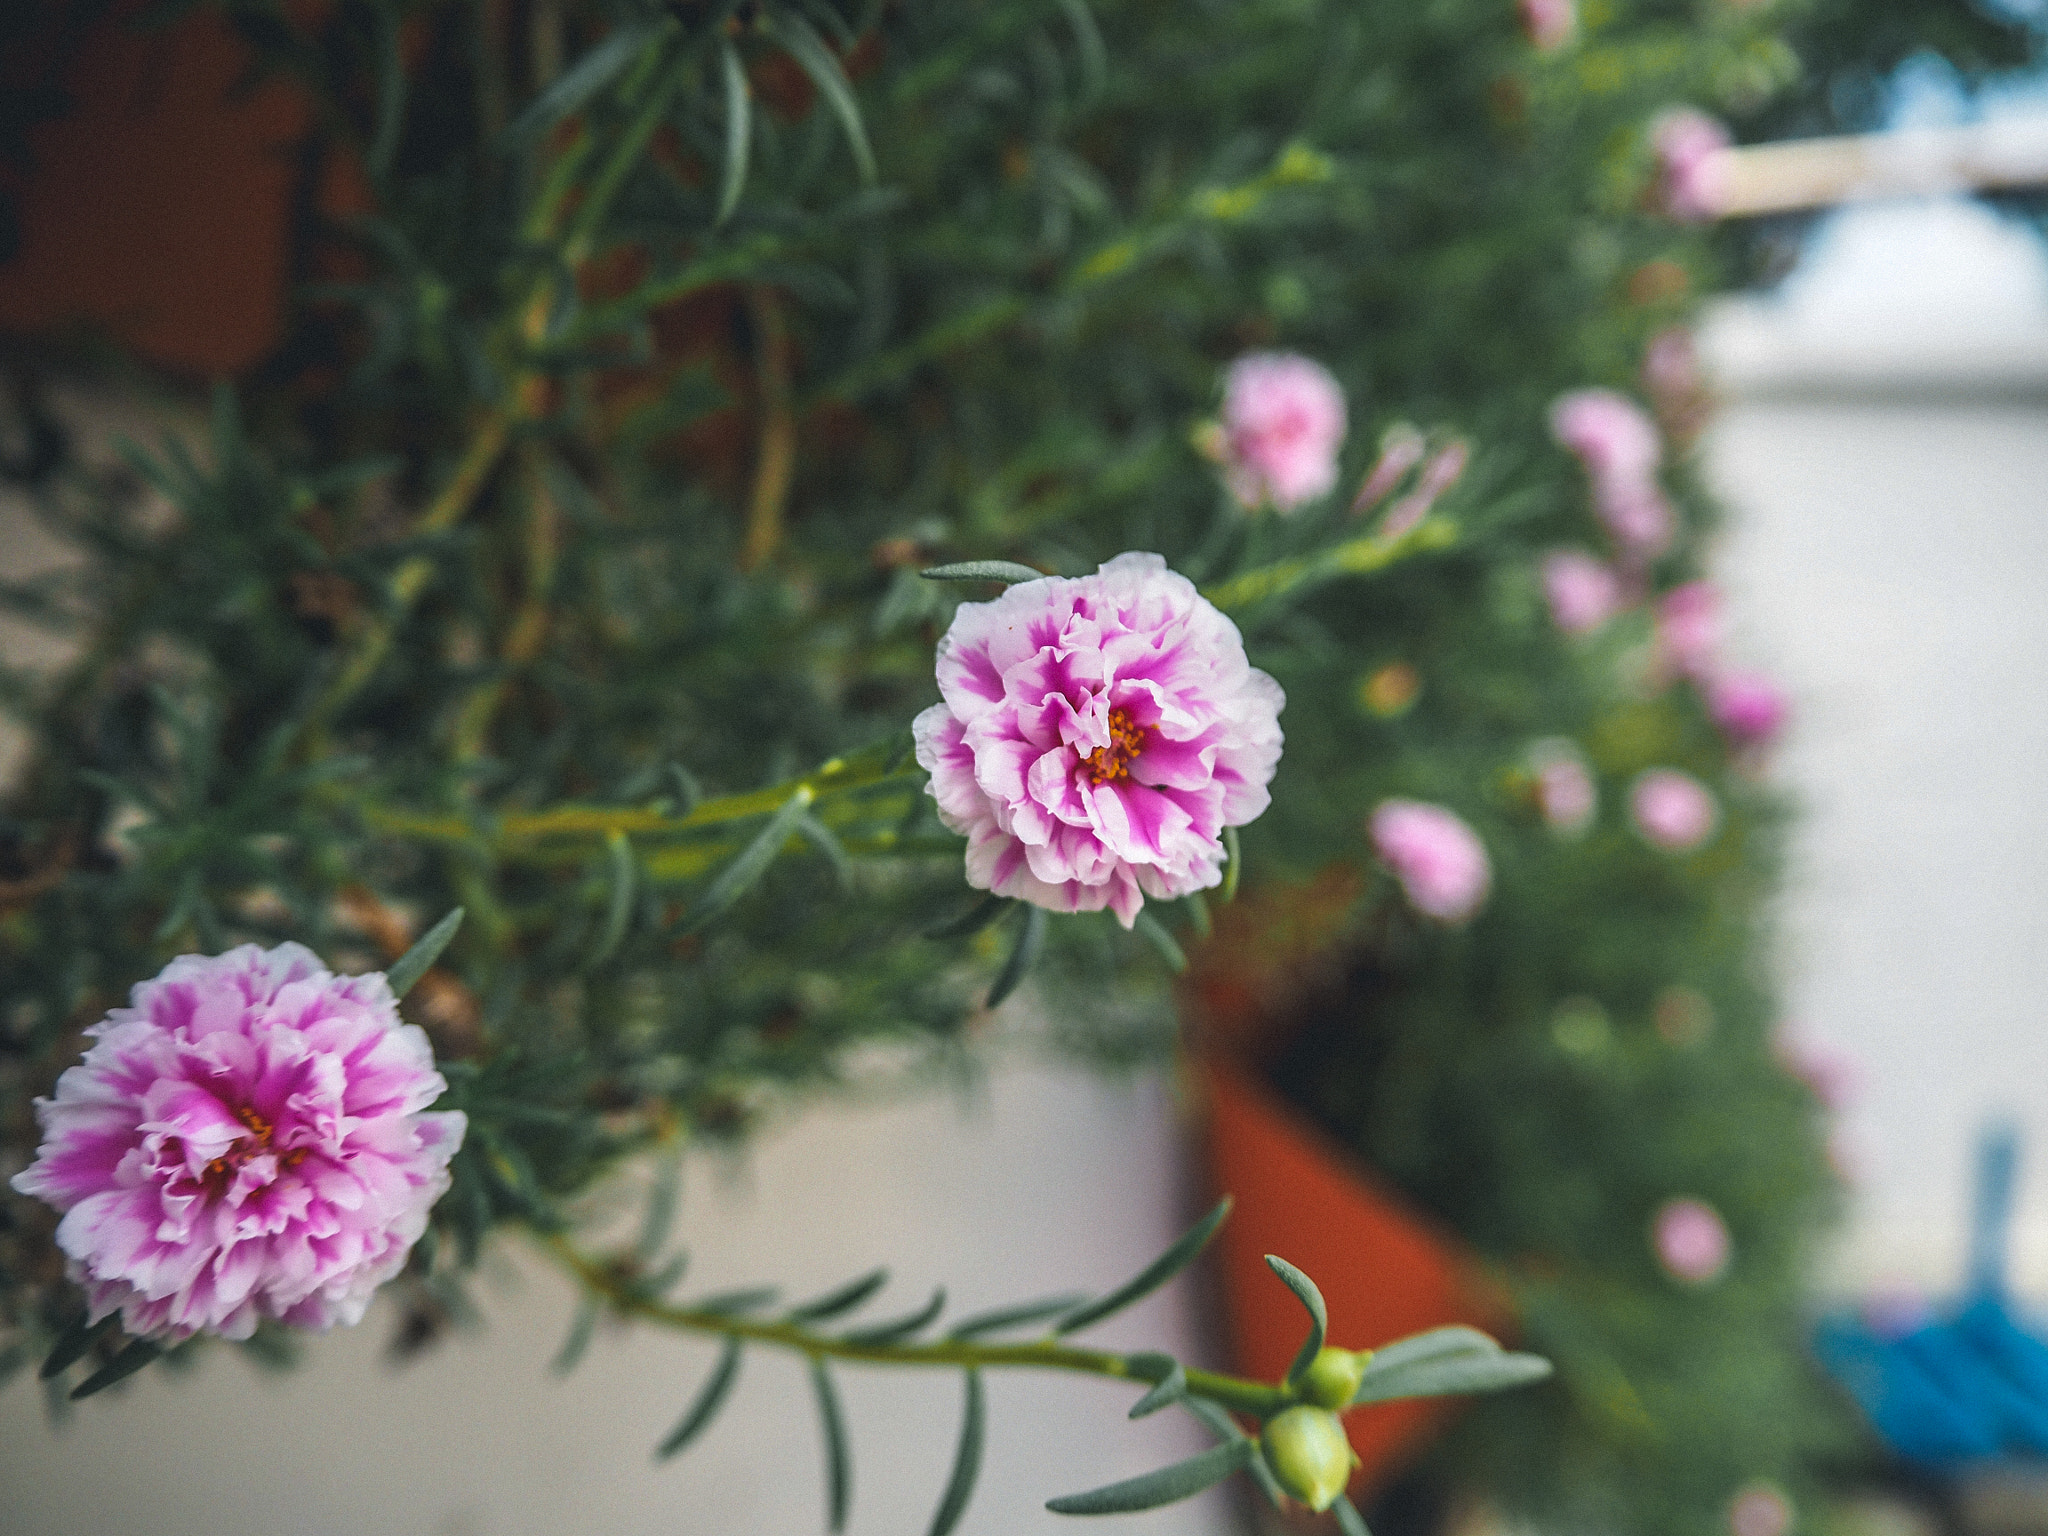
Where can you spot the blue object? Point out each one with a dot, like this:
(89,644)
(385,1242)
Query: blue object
(1972,1385)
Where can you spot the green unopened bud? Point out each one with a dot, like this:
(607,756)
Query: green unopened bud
(1309,1454)
(1332,1377)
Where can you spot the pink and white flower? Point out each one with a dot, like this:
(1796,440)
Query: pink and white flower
(1691,1240)
(1096,735)
(1673,810)
(1440,862)
(1692,163)
(1283,422)
(247,1139)
(1749,708)
(1549,23)
(1584,593)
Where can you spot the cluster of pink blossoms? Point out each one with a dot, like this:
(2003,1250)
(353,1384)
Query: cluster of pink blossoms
(1283,422)
(1096,735)
(248,1139)
(1618,444)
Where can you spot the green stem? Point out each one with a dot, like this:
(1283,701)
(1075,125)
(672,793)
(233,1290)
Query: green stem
(1255,1398)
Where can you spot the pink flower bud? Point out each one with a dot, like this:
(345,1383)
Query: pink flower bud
(1691,150)
(1747,707)
(1637,514)
(1673,810)
(1584,594)
(1565,791)
(1689,629)
(1283,422)
(1438,476)
(1440,862)
(1401,449)
(1549,23)
(1691,1240)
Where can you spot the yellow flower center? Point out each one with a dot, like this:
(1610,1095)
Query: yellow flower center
(1105,765)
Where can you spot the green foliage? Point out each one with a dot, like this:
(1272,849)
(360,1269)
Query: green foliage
(566,567)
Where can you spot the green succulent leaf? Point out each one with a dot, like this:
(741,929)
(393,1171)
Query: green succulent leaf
(1008,572)
(1318,1315)
(838,1457)
(1170,1390)
(966,1460)
(800,40)
(710,1398)
(409,967)
(138,1354)
(1153,932)
(1022,1315)
(582,1328)
(901,1327)
(584,79)
(972,921)
(73,1343)
(749,865)
(1153,1275)
(1444,1362)
(1349,1520)
(840,1299)
(739,129)
(1023,955)
(1169,1485)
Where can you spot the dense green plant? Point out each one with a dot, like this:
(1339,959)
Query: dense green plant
(563,566)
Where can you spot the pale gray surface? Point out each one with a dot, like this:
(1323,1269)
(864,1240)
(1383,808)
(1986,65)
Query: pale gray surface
(1054,1181)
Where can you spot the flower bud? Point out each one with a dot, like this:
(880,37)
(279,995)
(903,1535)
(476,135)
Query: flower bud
(1333,1375)
(1309,1454)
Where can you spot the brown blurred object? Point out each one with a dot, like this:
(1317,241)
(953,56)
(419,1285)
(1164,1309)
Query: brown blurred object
(1267,952)
(1922,162)
(450,1012)
(156,207)
(1383,1270)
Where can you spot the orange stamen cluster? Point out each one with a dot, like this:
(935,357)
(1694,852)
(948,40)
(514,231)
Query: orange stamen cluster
(217,1174)
(1106,765)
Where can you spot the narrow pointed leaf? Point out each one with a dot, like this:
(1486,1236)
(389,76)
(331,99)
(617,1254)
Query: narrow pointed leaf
(583,79)
(409,967)
(1005,571)
(739,130)
(686,788)
(1019,1316)
(966,1460)
(1153,1275)
(1318,1316)
(73,1343)
(1224,1427)
(619,909)
(1171,1390)
(749,865)
(973,920)
(1349,1520)
(1233,863)
(1446,1375)
(843,1298)
(730,1303)
(581,1329)
(120,1368)
(1169,1485)
(1455,1339)
(1088,43)
(662,1198)
(710,1398)
(822,838)
(1154,933)
(901,1327)
(800,40)
(1030,940)
(838,1461)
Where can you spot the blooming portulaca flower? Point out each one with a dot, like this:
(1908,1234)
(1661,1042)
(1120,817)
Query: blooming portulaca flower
(1691,150)
(1283,422)
(1748,707)
(1616,441)
(246,1140)
(1096,735)
(1673,810)
(1583,593)
(1440,862)
(1691,1240)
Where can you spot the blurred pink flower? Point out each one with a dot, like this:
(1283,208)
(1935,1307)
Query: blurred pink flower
(1439,861)
(1691,1240)
(1096,735)
(1748,707)
(1438,475)
(1565,791)
(1689,630)
(1617,442)
(1283,422)
(1549,23)
(1401,449)
(1831,1074)
(1759,1509)
(1691,166)
(247,1139)
(1583,593)
(1673,810)
(1671,369)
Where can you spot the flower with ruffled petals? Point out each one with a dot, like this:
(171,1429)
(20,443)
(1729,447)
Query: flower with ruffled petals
(1096,735)
(1692,157)
(247,1139)
(1283,422)
(1691,1240)
(1584,593)
(1440,862)
(1673,810)
(1748,707)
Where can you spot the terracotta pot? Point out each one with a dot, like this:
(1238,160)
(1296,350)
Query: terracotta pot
(1384,1270)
